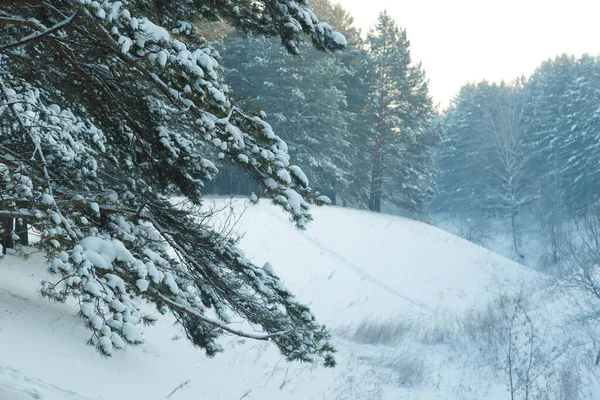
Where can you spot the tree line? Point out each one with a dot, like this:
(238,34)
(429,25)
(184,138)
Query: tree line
(526,147)
(356,121)
(364,129)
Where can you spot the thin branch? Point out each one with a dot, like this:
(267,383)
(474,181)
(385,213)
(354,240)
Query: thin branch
(190,311)
(39,35)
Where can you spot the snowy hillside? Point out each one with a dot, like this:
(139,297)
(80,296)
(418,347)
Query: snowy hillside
(389,260)
(354,268)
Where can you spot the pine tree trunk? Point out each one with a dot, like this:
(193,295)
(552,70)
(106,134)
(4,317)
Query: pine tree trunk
(379,191)
(7,232)
(375,195)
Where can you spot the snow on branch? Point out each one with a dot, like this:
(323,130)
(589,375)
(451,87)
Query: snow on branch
(102,120)
(204,92)
(36,35)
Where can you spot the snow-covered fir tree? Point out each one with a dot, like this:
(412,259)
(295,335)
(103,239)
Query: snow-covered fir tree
(326,108)
(562,122)
(400,110)
(109,107)
(302,97)
(305,98)
(458,183)
(483,160)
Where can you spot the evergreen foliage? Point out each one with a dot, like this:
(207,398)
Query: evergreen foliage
(531,145)
(563,119)
(400,111)
(327,109)
(107,109)
(303,97)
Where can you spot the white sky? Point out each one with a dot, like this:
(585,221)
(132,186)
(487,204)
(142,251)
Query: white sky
(461,41)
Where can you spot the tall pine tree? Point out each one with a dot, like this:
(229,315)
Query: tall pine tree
(400,110)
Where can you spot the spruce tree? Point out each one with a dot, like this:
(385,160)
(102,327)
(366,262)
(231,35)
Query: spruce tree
(303,102)
(460,188)
(304,98)
(562,122)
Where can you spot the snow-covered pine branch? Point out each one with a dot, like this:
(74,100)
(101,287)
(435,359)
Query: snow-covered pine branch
(102,118)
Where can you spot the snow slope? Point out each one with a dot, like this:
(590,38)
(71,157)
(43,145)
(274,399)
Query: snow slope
(349,265)
(392,259)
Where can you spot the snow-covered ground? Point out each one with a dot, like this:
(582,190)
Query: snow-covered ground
(401,278)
